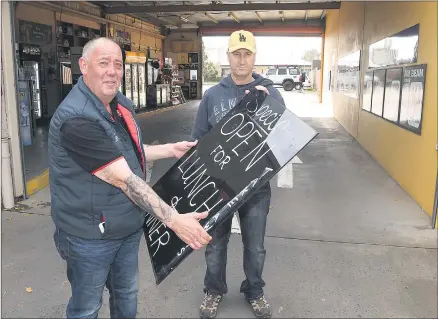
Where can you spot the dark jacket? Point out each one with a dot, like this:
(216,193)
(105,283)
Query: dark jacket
(221,98)
(80,200)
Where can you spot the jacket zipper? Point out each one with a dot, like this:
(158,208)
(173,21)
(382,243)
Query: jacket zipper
(141,146)
(143,162)
(127,134)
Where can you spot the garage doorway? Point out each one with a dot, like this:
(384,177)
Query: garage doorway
(297,55)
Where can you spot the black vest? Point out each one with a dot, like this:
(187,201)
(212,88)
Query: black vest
(80,201)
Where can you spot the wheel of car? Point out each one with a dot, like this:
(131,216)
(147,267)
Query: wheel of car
(288,85)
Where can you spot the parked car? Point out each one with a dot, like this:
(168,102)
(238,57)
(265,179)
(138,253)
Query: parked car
(287,77)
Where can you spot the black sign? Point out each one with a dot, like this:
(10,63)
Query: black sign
(34,33)
(392,94)
(29,52)
(411,107)
(229,164)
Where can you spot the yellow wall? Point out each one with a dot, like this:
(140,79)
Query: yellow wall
(149,37)
(131,21)
(77,20)
(411,159)
(24,11)
(330,53)
(28,12)
(350,37)
(145,41)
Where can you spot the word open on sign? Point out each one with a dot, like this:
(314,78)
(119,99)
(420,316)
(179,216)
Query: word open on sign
(248,146)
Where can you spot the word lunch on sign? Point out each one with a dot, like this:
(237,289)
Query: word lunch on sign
(250,144)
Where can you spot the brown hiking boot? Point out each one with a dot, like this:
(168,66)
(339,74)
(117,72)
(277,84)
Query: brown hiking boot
(209,306)
(261,307)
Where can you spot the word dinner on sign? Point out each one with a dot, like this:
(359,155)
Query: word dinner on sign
(248,147)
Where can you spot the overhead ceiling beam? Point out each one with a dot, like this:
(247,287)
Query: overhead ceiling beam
(167,19)
(185,19)
(151,19)
(188,18)
(259,17)
(225,7)
(62,9)
(211,18)
(232,15)
(288,24)
(278,29)
(205,13)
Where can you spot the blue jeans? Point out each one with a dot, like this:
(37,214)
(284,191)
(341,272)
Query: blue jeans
(92,264)
(253,215)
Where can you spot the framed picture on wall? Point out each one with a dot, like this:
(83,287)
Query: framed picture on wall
(193,57)
(193,75)
(412,97)
(378,92)
(391,104)
(367,91)
(34,33)
(347,76)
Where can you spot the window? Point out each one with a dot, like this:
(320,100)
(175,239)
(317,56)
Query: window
(282,71)
(396,95)
(271,72)
(293,72)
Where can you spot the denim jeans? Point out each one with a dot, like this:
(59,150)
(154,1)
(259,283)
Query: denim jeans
(253,215)
(92,264)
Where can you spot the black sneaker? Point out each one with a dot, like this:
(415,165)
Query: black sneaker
(261,307)
(209,306)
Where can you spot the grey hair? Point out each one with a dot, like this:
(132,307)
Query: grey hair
(91,45)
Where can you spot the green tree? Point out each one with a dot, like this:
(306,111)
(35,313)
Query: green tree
(210,71)
(311,55)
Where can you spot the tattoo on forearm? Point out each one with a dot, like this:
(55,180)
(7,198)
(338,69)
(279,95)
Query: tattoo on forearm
(143,195)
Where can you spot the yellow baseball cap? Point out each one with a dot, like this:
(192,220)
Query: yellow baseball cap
(241,40)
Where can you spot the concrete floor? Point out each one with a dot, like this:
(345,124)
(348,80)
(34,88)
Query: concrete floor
(345,241)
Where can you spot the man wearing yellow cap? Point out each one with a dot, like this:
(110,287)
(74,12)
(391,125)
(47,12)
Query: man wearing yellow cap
(217,101)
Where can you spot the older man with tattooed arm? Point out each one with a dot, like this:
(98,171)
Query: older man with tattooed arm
(97,163)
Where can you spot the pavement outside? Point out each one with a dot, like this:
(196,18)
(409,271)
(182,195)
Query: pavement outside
(345,241)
